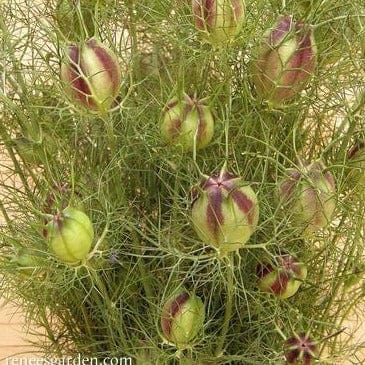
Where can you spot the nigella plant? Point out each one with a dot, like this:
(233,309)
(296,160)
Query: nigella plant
(226,212)
(137,105)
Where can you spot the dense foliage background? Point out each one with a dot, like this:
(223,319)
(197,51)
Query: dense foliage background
(137,191)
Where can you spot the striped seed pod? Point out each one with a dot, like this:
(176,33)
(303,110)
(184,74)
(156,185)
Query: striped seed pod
(285,62)
(91,75)
(225,213)
(220,20)
(282,277)
(300,350)
(187,122)
(310,194)
(182,318)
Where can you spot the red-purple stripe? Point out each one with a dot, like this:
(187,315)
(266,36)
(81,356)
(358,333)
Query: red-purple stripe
(237,8)
(331,181)
(202,130)
(244,204)
(174,127)
(172,308)
(108,62)
(281,30)
(214,212)
(205,12)
(292,355)
(355,150)
(210,11)
(263,269)
(280,284)
(303,60)
(80,89)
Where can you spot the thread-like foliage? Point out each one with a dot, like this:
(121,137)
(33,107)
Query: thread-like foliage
(138,192)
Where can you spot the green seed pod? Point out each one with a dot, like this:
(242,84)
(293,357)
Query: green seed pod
(220,20)
(182,318)
(91,75)
(309,193)
(282,277)
(285,62)
(70,235)
(225,213)
(187,122)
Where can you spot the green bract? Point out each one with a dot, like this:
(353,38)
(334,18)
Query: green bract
(70,235)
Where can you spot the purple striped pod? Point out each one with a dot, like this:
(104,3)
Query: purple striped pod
(310,194)
(182,318)
(220,20)
(282,277)
(188,122)
(285,62)
(300,349)
(225,212)
(91,75)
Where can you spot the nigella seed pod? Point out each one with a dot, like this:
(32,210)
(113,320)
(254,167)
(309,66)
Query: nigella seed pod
(187,122)
(285,62)
(300,350)
(220,20)
(225,212)
(182,318)
(91,75)
(309,192)
(282,277)
(70,235)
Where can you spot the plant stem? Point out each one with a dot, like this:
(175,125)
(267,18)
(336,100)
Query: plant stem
(228,306)
(142,269)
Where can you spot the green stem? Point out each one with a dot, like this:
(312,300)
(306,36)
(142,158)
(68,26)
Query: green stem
(228,307)
(142,270)
(146,283)
(103,300)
